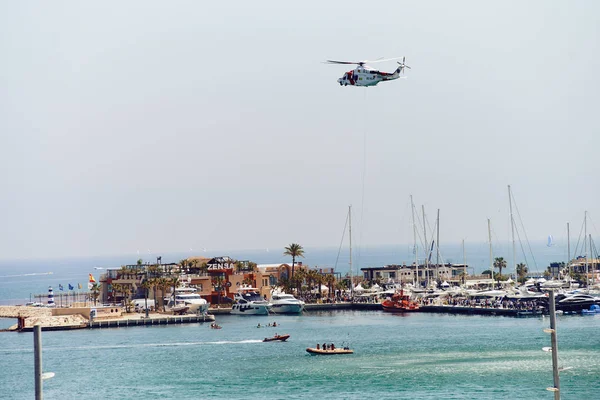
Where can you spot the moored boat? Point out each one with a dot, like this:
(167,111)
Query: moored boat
(247,301)
(400,302)
(284,303)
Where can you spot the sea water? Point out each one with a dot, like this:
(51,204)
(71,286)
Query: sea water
(417,356)
(420,356)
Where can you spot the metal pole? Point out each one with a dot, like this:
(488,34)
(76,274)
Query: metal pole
(554,345)
(37,351)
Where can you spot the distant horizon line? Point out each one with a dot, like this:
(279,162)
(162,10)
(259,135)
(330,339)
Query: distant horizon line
(223,251)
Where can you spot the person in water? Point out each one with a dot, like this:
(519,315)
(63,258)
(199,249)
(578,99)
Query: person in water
(258,326)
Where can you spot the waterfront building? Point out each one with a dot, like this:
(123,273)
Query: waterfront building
(410,273)
(215,279)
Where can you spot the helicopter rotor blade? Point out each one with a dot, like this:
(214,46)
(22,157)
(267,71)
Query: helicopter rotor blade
(364,61)
(344,62)
(384,59)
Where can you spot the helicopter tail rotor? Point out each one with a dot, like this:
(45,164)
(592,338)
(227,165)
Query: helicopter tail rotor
(402,65)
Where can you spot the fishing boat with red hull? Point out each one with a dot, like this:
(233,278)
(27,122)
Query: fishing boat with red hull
(400,302)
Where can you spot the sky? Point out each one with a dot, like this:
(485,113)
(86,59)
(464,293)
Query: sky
(169,126)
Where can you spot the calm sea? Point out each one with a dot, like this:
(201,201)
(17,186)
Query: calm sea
(420,356)
(417,356)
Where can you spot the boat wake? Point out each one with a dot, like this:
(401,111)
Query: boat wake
(133,346)
(30,274)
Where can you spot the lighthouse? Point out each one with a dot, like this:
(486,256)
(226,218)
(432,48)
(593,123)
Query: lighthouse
(50,296)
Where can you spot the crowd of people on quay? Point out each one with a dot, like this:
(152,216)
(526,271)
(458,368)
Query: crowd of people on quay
(498,302)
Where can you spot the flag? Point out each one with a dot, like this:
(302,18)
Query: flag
(92,280)
(71,287)
(60,286)
(79,286)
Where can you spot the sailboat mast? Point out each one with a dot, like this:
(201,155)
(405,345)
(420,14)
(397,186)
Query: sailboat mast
(512,226)
(437,246)
(426,248)
(350,262)
(490,241)
(412,206)
(464,260)
(592,261)
(587,280)
(569,251)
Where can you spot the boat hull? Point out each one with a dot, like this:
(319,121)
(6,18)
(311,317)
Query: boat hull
(287,308)
(280,338)
(322,352)
(393,306)
(250,309)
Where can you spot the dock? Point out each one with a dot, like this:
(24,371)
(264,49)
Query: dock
(506,312)
(166,320)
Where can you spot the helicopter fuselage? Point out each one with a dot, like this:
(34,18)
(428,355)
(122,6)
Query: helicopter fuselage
(362,76)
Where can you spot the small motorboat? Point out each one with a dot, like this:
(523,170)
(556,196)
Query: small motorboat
(215,326)
(281,338)
(344,350)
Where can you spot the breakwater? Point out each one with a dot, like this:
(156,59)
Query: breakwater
(166,320)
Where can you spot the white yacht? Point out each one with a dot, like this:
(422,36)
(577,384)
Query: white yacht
(187,297)
(575,301)
(286,304)
(248,301)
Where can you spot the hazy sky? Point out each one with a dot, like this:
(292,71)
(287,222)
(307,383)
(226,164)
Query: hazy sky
(167,126)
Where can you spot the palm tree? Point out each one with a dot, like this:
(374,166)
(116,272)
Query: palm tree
(183,264)
(146,284)
(294,250)
(286,284)
(298,280)
(499,263)
(522,272)
(126,290)
(95,292)
(330,279)
(194,265)
(174,281)
(319,279)
(116,289)
(218,282)
(163,284)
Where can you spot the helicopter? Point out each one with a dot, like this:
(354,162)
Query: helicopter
(364,75)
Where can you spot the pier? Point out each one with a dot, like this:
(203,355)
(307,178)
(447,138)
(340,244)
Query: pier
(166,320)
